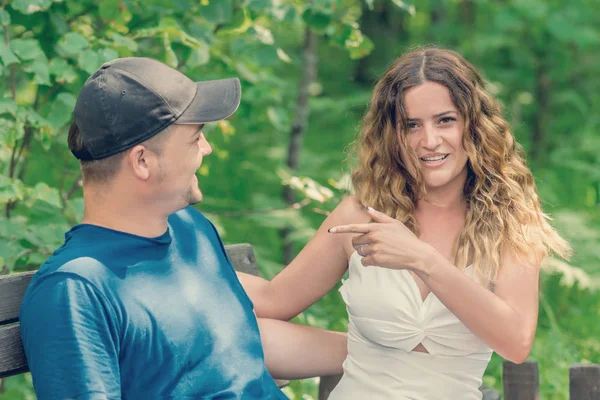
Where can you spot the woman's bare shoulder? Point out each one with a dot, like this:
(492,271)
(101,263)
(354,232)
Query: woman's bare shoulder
(350,211)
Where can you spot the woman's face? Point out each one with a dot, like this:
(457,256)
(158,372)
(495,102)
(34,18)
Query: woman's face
(435,133)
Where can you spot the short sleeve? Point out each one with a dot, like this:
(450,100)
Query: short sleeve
(70,340)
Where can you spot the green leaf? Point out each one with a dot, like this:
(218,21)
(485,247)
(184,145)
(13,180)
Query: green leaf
(124,42)
(45,193)
(532,9)
(72,44)
(115,13)
(31,6)
(170,56)
(246,73)
(40,70)
(358,45)
(267,56)
(109,10)
(36,258)
(8,106)
(63,71)
(7,56)
(239,23)
(198,57)
(27,49)
(217,11)
(12,131)
(4,17)
(340,34)
(283,56)
(88,61)
(405,6)
(260,6)
(61,110)
(263,34)
(31,116)
(316,20)
(11,189)
(9,252)
(105,55)
(67,98)
(278,117)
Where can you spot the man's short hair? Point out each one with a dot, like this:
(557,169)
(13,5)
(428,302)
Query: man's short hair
(105,169)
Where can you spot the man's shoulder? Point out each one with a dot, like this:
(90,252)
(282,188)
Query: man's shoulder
(191,218)
(189,215)
(81,268)
(63,281)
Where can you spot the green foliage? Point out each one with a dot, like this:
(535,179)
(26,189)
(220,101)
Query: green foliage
(539,57)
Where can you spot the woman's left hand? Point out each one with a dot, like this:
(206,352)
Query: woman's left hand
(387,243)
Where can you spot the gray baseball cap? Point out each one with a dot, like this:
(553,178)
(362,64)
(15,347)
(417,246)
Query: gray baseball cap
(129,100)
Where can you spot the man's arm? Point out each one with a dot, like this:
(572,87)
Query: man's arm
(70,340)
(294,351)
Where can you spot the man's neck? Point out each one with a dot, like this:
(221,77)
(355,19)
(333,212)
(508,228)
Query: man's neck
(123,213)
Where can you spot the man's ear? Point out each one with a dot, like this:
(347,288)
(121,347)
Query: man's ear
(142,162)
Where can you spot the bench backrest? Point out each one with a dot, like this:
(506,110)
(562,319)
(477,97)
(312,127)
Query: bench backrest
(12,290)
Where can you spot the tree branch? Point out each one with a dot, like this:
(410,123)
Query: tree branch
(296,206)
(54,88)
(13,159)
(12,66)
(221,25)
(76,185)
(309,72)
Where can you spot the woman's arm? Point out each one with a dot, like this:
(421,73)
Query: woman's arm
(314,271)
(294,351)
(505,319)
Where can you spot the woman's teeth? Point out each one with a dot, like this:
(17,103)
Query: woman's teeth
(436,158)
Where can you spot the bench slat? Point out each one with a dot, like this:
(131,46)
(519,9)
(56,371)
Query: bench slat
(12,290)
(12,358)
(242,258)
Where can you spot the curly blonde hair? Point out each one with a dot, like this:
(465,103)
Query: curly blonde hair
(503,205)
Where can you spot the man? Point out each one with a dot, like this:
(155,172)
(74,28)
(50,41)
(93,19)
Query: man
(141,301)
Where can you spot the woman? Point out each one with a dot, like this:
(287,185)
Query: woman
(443,240)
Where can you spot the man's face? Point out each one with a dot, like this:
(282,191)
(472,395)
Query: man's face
(181,157)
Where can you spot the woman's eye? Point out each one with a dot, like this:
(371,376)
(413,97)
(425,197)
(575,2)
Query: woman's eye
(446,120)
(412,125)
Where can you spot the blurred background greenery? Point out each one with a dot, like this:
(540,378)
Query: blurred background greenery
(280,164)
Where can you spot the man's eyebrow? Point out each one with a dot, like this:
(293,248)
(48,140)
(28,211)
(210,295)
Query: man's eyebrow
(198,131)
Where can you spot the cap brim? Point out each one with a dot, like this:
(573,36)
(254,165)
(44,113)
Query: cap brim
(214,101)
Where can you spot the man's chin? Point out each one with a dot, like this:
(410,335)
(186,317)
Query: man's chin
(195,197)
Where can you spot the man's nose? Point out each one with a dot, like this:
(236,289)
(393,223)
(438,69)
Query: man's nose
(205,147)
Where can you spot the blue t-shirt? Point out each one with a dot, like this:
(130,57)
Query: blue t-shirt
(114,315)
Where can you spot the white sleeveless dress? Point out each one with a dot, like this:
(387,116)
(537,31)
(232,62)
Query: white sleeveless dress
(386,320)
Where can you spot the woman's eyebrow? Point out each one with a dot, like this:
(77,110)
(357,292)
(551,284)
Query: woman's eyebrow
(437,115)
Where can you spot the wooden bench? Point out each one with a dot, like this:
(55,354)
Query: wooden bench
(520,381)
